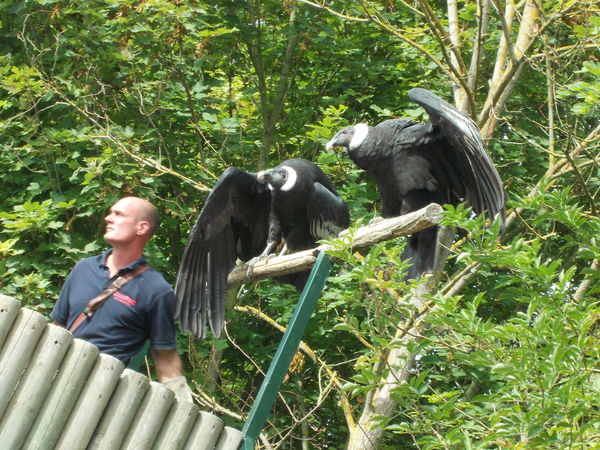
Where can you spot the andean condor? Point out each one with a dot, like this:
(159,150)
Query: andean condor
(245,217)
(442,161)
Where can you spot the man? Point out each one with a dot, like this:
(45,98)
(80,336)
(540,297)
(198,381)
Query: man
(142,309)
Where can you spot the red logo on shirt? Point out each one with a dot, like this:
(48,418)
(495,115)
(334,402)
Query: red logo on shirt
(125,299)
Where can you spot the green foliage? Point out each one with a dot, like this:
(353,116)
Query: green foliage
(587,91)
(103,99)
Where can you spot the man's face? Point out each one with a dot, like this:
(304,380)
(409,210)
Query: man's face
(122,224)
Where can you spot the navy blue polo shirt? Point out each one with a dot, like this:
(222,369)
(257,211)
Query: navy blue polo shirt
(142,309)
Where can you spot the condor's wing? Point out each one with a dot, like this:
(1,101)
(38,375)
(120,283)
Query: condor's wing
(326,212)
(232,224)
(483,184)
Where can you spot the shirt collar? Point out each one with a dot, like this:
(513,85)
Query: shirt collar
(127,268)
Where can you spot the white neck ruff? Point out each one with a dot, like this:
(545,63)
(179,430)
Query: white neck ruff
(292,176)
(361,131)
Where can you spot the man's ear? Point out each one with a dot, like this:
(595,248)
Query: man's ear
(143,227)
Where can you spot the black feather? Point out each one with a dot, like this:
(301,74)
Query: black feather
(236,212)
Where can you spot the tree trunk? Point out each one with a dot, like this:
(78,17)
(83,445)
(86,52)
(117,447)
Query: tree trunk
(366,434)
(272,103)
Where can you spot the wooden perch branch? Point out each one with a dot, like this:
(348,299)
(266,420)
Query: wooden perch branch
(365,236)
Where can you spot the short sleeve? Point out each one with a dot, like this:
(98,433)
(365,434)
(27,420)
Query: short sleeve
(162,322)
(60,312)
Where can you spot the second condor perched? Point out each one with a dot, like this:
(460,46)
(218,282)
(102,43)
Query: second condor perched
(442,161)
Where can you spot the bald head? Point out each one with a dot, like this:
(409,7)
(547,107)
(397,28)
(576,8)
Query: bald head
(130,222)
(146,211)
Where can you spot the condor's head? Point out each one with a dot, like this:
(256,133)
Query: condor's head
(350,138)
(282,178)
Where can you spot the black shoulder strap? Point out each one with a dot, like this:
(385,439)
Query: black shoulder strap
(99,300)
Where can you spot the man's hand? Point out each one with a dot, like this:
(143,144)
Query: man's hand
(169,371)
(179,385)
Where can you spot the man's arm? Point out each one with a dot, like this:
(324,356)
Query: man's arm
(169,372)
(168,364)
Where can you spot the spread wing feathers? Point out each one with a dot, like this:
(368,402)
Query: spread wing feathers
(485,192)
(326,212)
(233,224)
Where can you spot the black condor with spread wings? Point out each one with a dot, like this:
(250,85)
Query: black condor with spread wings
(245,216)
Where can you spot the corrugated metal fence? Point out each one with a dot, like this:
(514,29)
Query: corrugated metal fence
(57,392)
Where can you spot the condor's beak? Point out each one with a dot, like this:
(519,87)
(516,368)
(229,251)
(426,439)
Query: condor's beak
(262,176)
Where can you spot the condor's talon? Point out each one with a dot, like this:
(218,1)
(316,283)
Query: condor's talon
(254,261)
(284,251)
(250,266)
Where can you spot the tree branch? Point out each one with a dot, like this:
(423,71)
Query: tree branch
(401,358)
(271,106)
(554,172)
(447,40)
(501,87)
(334,12)
(450,40)
(587,282)
(387,28)
(108,135)
(483,21)
(365,236)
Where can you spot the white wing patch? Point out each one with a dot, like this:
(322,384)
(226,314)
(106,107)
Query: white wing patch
(324,229)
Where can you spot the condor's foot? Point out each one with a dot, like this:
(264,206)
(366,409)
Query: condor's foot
(260,258)
(285,250)
(266,254)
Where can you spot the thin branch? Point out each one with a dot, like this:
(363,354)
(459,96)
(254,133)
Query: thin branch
(333,377)
(334,12)
(192,109)
(261,371)
(163,170)
(582,183)
(272,104)
(506,26)
(594,161)
(587,282)
(209,402)
(499,90)
(506,19)
(391,31)
(483,21)
(450,41)
(555,172)
(568,48)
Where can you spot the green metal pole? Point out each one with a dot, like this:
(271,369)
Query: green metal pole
(138,359)
(285,352)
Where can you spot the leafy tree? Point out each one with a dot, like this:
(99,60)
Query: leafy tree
(499,349)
